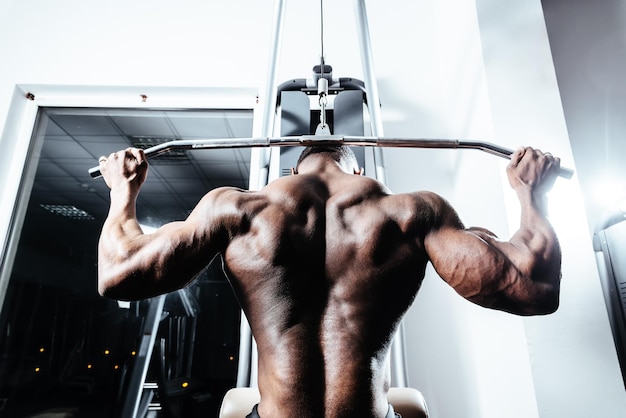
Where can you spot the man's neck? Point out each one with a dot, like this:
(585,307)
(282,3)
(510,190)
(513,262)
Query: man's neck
(318,164)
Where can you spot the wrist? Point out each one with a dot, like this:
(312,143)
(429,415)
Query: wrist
(540,201)
(122,199)
(533,198)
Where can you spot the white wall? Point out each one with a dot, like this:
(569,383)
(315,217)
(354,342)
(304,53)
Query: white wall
(446,68)
(589,51)
(480,357)
(574,346)
(493,364)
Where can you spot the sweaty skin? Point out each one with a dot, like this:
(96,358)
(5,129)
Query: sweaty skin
(325,263)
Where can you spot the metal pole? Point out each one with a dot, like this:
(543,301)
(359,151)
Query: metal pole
(260,161)
(269,101)
(398,363)
(371,87)
(245,353)
(259,175)
(142,362)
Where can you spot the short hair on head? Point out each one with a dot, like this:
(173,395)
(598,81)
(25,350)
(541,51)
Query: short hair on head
(339,153)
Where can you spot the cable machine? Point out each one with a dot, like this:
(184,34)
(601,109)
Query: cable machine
(269,153)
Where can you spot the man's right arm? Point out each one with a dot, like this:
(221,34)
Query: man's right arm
(522,275)
(133,265)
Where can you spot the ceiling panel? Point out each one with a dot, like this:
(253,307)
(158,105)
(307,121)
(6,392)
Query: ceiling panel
(173,171)
(64,148)
(49,169)
(102,147)
(142,126)
(221,155)
(225,124)
(52,129)
(84,124)
(75,138)
(188,186)
(78,169)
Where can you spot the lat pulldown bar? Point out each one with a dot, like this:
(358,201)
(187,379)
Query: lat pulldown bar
(307,140)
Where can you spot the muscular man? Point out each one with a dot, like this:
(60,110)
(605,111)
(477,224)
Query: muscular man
(325,263)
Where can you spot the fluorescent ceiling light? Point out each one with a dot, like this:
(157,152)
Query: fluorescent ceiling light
(68,211)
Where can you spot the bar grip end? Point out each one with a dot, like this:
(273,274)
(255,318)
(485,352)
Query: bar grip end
(94,172)
(566,173)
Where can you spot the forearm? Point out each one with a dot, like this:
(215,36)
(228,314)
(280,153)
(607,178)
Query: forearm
(118,242)
(535,237)
(531,271)
(535,249)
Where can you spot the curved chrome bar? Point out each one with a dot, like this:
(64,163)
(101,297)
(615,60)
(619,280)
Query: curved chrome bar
(312,140)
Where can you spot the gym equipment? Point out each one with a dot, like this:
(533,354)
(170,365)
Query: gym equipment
(609,244)
(307,140)
(408,402)
(322,85)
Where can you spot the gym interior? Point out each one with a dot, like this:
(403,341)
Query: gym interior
(81,80)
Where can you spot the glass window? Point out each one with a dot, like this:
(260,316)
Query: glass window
(66,350)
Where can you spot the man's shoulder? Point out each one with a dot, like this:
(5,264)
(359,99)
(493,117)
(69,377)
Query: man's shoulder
(422,199)
(239,198)
(229,203)
(424,210)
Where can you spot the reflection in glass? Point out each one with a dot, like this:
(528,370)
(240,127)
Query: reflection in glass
(66,350)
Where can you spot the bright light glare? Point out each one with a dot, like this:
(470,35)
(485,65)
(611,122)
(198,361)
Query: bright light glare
(147,229)
(123,304)
(609,191)
(565,205)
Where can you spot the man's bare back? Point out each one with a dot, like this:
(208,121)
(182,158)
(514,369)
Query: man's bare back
(345,269)
(325,263)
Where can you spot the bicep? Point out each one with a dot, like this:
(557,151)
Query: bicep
(469,262)
(463,257)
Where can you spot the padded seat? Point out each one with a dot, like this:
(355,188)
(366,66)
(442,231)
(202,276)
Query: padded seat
(408,402)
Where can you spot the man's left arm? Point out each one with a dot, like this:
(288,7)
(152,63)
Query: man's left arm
(520,276)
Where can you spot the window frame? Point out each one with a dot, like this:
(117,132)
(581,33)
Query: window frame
(19,148)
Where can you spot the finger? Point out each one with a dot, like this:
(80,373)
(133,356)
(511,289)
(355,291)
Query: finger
(537,153)
(141,157)
(102,159)
(517,156)
(551,159)
(128,155)
(138,155)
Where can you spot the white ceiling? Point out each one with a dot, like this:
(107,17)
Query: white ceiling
(409,41)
